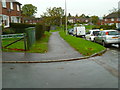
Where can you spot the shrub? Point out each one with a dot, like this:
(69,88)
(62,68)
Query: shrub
(8,31)
(47,28)
(20,27)
(39,31)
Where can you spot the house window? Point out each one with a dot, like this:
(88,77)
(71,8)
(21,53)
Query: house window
(105,19)
(11,5)
(0,20)
(15,19)
(118,19)
(112,19)
(18,8)
(4,3)
(6,20)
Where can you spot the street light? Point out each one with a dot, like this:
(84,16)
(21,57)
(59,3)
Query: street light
(66,16)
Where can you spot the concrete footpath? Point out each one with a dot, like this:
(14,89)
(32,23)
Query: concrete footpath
(58,49)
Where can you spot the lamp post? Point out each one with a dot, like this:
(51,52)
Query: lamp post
(66,17)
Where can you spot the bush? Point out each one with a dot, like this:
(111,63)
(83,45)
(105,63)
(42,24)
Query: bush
(39,31)
(105,27)
(20,27)
(108,26)
(8,31)
(47,28)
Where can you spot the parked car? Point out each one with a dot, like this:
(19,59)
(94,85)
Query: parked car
(70,31)
(108,37)
(92,34)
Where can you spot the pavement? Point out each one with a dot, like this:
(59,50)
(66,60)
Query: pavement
(58,49)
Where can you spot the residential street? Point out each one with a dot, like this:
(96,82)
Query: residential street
(97,72)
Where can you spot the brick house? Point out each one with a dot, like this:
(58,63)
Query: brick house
(10,12)
(111,19)
(32,20)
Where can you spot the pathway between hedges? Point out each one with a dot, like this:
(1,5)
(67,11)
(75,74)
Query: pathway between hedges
(58,49)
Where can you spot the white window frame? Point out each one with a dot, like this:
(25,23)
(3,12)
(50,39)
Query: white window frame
(11,5)
(112,19)
(6,18)
(0,20)
(18,8)
(4,3)
(105,19)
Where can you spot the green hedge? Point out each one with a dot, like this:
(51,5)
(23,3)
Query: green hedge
(105,27)
(47,28)
(39,31)
(20,27)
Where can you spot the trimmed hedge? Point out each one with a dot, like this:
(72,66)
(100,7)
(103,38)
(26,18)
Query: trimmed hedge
(105,27)
(47,28)
(39,31)
(20,27)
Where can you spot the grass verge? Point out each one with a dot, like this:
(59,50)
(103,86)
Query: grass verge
(85,47)
(41,46)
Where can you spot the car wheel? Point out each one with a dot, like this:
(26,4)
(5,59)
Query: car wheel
(90,39)
(119,45)
(103,43)
(94,41)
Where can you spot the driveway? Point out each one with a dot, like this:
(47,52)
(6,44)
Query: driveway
(58,49)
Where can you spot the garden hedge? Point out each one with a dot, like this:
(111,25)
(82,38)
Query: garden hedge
(20,27)
(39,31)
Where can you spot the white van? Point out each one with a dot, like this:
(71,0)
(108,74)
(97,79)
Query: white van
(79,31)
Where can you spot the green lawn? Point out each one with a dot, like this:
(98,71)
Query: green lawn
(85,47)
(13,47)
(41,46)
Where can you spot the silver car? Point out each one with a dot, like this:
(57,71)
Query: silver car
(108,37)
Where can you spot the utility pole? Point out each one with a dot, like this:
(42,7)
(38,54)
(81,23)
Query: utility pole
(66,16)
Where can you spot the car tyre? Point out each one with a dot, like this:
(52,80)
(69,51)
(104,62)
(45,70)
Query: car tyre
(119,45)
(103,43)
(94,41)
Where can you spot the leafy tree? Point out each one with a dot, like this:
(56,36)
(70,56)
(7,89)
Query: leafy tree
(69,15)
(83,16)
(94,19)
(53,16)
(114,10)
(76,15)
(29,10)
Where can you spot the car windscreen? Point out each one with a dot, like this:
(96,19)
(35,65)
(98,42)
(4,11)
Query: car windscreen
(113,33)
(95,32)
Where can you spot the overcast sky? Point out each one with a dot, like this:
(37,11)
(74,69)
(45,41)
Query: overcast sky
(87,7)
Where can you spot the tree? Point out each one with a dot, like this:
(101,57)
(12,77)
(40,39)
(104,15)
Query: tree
(69,15)
(29,10)
(83,16)
(114,10)
(94,19)
(76,15)
(53,16)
